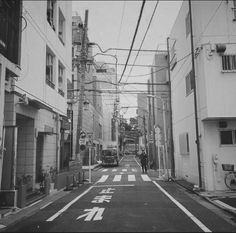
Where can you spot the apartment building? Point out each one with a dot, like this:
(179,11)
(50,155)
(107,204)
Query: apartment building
(211,115)
(10,57)
(35,113)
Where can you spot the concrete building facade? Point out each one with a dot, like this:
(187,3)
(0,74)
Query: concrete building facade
(214,40)
(35,112)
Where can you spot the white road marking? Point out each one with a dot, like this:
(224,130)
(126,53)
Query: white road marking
(124,170)
(117,178)
(46,205)
(105,170)
(95,212)
(224,204)
(103,179)
(131,178)
(145,177)
(2,226)
(113,185)
(114,170)
(134,170)
(198,222)
(68,205)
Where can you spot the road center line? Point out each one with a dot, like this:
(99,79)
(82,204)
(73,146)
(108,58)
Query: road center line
(68,205)
(198,222)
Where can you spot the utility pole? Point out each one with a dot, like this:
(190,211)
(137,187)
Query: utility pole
(154,122)
(195,97)
(170,114)
(82,62)
(145,136)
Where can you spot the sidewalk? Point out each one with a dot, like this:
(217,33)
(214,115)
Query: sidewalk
(12,215)
(225,200)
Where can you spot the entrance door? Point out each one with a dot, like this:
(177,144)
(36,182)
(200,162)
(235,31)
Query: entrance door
(39,156)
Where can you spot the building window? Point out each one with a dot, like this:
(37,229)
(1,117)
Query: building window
(49,69)
(229,62)
(51,8)
(187,24)
(234,10)
(173,56)
(61,27)
(61,71)
(184,144)
(228,137)
(189,83)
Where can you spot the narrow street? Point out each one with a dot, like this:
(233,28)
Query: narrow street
(122,199)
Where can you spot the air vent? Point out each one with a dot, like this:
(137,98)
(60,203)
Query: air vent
(222,124)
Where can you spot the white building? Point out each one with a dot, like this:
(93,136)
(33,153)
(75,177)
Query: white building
(107,78)
(214,36)
(36,105)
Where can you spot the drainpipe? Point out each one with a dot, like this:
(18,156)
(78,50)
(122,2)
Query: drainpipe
(195,98)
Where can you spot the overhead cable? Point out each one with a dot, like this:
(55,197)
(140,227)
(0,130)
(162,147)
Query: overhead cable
(136,30)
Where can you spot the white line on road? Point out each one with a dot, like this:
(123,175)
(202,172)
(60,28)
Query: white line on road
(124,170)
(114,170)
(46,205)
(112,185)
(117,178)
(198,222)
(134,170)
(131,178)
(103,179)
(68,205)
(145,177)
(105,170)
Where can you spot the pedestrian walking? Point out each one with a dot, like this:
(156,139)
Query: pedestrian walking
(144,160)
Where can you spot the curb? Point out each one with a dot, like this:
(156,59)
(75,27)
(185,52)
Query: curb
(207,198)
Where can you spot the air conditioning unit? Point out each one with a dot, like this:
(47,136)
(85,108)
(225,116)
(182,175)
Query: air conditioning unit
(8,84)
(24,100)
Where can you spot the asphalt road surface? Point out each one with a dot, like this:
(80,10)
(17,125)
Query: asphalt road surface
(122,199)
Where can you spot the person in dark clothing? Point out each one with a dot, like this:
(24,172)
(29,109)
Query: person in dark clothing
(144,161)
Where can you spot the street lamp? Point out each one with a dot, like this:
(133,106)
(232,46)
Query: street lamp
(164,130)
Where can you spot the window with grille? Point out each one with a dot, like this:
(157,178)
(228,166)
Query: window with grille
(49,69)
(51,7)
(187,24)
(189,83)
(61,79)
(229,62)
(228,137)
(61,27)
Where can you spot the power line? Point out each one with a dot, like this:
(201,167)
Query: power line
(143,39)
(136,30)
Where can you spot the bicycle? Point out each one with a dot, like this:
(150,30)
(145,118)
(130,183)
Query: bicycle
(230,176)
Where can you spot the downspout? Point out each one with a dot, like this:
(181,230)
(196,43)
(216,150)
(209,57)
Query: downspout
(195,98)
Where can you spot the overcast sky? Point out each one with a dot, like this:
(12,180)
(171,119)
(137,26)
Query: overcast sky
(111,24)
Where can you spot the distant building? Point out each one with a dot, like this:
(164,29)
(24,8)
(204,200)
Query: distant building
(214,33)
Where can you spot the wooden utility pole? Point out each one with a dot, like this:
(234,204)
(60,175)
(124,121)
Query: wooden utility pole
(82,63)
